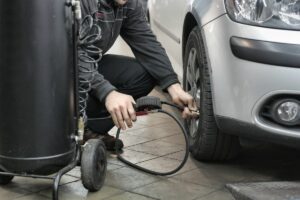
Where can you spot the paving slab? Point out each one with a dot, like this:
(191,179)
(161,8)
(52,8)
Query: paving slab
(128,179)
(104,193)
(71,191)
(163,164)
(217,195)
(157,119)
(202,177)
(131,140)
(75,172)
(112,159)
(129,196)
(136,126)
(218,174)
(175,139)
(177,156)
(137,157)
(156,132)
(35,185)
(157,147)
(173,189)
(227,172)
(112,167)
(32,197)
(11,191)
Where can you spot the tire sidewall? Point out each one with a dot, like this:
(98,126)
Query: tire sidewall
(194,41)
(209,142)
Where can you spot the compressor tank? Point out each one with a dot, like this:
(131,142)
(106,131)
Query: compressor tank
(36,86)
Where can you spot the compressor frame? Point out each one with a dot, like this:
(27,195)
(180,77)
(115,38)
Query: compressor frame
(56,178)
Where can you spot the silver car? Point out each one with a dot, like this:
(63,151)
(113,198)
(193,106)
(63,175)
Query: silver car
(240,59)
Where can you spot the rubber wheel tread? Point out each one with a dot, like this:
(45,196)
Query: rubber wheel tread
(92,177)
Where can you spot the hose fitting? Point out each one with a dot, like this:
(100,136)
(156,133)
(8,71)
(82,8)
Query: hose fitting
(77,9)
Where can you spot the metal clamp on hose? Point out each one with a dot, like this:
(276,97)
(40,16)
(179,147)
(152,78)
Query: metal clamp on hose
(146,105)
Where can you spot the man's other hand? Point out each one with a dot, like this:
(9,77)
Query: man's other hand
(120,106)
(182,98)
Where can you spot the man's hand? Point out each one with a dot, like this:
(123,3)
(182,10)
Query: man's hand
(121,2)
(120,106)
(182,98)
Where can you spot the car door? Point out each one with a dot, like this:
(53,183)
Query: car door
(167,18)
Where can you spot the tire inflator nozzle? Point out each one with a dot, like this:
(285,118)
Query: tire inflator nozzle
(148,103)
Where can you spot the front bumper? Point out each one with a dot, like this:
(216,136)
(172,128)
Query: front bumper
(248,65)
(252,131)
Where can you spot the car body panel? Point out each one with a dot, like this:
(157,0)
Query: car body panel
(207,10)
(242,83)
(168,17)
(169,29)
(239,87)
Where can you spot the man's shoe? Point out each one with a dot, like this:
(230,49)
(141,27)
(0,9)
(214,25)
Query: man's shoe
(112,143)
(109,141)
(88,135)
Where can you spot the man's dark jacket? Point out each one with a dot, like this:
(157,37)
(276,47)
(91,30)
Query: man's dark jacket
(128,21)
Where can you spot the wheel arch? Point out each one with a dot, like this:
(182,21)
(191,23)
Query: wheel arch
(148,14)
(190,22)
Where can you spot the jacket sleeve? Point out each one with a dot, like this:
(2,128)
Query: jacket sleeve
(147,50)
(101,87)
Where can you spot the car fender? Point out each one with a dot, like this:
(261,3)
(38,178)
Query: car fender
(205,11)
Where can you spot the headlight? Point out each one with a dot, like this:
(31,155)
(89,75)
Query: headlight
(284,14)
(289,12)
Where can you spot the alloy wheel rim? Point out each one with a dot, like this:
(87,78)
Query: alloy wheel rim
(192,85)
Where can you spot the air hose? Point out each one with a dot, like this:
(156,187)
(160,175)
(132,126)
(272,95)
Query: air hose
(144,106)
(89,55)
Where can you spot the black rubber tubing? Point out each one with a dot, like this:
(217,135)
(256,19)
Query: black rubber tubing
(180,166)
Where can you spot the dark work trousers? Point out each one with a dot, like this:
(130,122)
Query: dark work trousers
(129,77)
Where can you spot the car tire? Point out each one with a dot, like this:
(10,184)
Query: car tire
(207,141)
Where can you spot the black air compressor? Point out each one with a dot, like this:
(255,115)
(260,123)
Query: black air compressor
(39,111)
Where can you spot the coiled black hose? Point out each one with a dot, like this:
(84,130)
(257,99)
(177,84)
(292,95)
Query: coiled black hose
(88,55)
